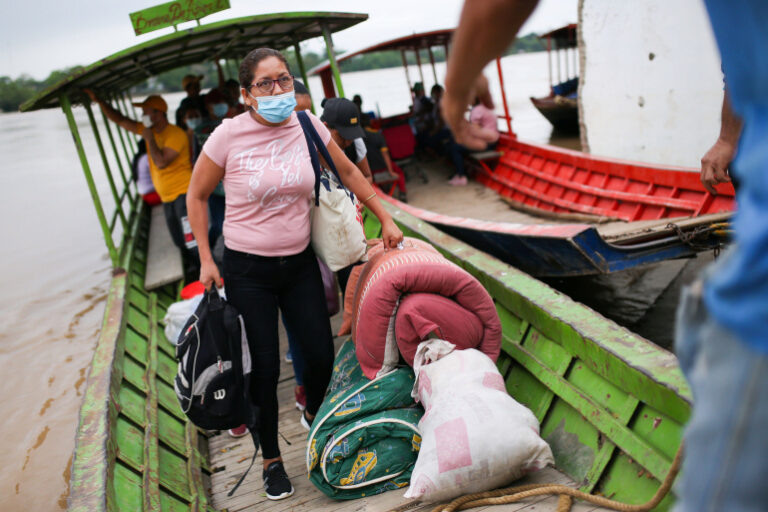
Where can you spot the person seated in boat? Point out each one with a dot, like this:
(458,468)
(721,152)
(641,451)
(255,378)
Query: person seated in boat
(484,118)
(378,156)
(140,174)
(231,89)
(422,119)
(269,264)
(193,120)
(303,99)
(343,120)
(190,84)
(169,166)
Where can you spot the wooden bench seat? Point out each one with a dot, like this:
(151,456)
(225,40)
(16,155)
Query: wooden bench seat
(164,263)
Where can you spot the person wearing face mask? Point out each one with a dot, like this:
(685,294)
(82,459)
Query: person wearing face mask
(191,85)
(169,166)
(268,263)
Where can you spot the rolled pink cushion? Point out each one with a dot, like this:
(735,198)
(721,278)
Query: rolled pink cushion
(422,314)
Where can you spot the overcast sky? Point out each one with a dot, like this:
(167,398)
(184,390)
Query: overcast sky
(37,37)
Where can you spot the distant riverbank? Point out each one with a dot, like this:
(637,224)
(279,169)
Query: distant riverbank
(15,91)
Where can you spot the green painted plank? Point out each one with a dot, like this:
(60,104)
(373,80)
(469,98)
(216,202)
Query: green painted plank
(130,444)
(628,482)
(170,503)
(166,365)
(166,397)
(133,372)
(128,491)
(658,430)
(173,473)
(151,476)
(135,345)
(132,404)
(172,431)
(139,320)
(138,299)
(594,414)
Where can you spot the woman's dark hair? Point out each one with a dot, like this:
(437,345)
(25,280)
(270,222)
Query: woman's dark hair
(252,60)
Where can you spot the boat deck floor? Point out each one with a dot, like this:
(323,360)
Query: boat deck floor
(231,456)
(476,201)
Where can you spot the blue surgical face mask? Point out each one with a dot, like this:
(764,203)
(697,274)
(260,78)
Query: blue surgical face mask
(194,123)
(275,109)
(220,109)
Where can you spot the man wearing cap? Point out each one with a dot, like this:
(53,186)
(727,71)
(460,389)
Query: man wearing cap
(343,120)
(191,84)
(169,165)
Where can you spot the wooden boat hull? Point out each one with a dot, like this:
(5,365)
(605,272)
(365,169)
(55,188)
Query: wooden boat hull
(554,180)
(564,117)
(561,250)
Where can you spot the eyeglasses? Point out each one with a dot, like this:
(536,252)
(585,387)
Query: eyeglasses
(267,85)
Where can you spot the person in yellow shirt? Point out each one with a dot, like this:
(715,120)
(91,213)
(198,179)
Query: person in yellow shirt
(169,164)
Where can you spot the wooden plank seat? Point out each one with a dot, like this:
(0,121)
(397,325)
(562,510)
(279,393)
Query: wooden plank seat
(483,158)
(164,263)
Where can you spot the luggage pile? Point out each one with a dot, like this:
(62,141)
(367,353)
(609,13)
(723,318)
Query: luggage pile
(410,310)
(365,437)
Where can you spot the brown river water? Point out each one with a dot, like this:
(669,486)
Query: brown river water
(55,274)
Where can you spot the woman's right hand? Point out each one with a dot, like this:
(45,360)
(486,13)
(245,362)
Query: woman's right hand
(209,274)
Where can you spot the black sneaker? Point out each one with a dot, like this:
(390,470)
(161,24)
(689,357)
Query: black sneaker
(276,482)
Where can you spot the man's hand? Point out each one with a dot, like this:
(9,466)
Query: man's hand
(714,165)
(454,110)
(147,134)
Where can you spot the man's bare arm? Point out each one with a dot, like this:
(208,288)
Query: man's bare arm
(113,114)
(715,163)
(486,29)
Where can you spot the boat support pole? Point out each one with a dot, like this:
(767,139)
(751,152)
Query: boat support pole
(114,149)
(332,60)
(66,106)
(407,74)
(549,60)
(557,54)
(123,105)
(120,131)
(504,97)
(418,63)
(303,71)
(118,200)
(432,61)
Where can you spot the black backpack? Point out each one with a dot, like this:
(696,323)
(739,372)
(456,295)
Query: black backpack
(212,382)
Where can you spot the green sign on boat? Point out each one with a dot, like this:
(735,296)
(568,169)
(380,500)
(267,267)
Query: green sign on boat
(173,13)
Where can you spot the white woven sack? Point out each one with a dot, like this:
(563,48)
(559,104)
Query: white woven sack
(475,437)
(337,236)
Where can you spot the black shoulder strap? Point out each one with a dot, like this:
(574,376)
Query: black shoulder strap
(315,144)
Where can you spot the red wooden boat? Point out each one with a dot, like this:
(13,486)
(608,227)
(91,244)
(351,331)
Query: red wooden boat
(666,211)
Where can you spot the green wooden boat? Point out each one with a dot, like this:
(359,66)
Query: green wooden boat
(612,405)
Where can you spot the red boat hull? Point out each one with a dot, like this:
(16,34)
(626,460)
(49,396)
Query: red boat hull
(560,181)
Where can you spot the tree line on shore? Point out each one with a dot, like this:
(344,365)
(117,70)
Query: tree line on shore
(15,91)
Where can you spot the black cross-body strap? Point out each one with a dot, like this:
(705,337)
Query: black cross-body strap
(315,144)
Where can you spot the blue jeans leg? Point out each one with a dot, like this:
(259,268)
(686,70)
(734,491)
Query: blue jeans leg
(726,446)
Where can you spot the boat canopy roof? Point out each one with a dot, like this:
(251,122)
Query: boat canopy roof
(225,39)
(419,41)
(565,37)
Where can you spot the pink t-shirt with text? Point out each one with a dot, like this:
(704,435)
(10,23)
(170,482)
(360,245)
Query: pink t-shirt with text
(268,183)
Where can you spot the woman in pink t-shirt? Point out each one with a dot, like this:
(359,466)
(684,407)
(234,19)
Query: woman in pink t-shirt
(263,160)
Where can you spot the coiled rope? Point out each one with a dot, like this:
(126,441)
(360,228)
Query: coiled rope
(567,495)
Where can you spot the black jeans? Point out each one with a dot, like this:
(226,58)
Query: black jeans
(256,287)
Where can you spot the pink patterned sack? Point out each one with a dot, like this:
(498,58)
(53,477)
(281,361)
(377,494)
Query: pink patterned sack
(475,437)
